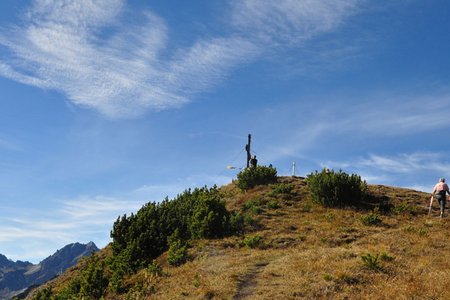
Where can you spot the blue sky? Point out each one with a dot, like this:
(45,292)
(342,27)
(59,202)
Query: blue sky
(106,105)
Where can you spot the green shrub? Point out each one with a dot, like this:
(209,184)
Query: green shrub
(374,261)
(273,204)
(328,277)
(237,222)
(252,206)
(177,254)
(210,219)
(423,231)
(43,294)
(371,262)
(141,237)
(71,291)
(372,218)
(155,269)
(250,220)
(281,188)
(404,208)
(93,280)
(332,188)
(253,241)
(260,175)
(118,267)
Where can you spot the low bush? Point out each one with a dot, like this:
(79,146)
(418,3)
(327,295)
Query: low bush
(371,219)
(332,188)
(43,294)
(141,237)
(252,206)
(155,269)
(260,175)
(177,254)
(273,204)
(210,219)
(375,261)
(281,188)
(91,283)
(371,262)
(404,208)
(253,241)
(237,222)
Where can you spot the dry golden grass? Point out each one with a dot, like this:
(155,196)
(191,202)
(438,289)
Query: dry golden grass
(312,252)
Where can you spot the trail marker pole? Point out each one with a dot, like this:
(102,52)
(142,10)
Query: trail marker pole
(247,148)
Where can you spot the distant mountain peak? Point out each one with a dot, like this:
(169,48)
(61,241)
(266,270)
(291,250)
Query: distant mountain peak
(19,275)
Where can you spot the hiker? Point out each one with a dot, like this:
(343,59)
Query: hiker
(253,162)
(440,192)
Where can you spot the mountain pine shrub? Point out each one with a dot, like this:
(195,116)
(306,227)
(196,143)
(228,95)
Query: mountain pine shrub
(93,280)
(177,254)
(332,188)
(43,294)
(281,188)
(254,241)
(237,222)
(154,269)
(141,237)
(273,204)
(259,175)
(253,206)
(210,218)
(371,219)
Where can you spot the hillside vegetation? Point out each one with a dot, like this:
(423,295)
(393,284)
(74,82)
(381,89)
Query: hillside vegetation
(271,241)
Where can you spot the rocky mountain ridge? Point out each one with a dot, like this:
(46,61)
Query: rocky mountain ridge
(17,276)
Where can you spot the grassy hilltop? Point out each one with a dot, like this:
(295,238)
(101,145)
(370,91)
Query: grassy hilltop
(289,246)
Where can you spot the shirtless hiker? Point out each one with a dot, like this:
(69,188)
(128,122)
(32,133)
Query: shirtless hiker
(440,192)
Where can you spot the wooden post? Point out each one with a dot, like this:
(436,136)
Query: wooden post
(247,148)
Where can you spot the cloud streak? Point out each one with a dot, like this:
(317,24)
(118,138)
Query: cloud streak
(407,163)
(351,120)
(416,170)
(83,49)
(289,22)
(84,219)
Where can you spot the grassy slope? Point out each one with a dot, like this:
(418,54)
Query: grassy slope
(309,251)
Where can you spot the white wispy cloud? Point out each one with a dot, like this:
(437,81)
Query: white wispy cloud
(78,220)
(83,49)
(416,170)
(407,163)
(289,21)
(61,47)
(393,115)
(98,208)
(402,163)
(298,127)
